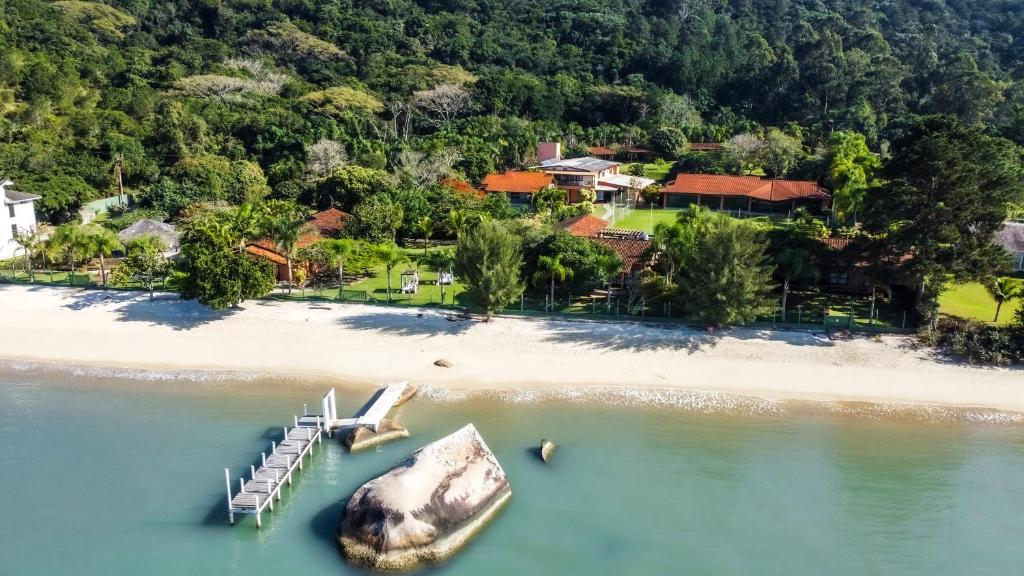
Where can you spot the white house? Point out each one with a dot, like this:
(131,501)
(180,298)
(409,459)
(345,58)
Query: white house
(601,176)
(17,214)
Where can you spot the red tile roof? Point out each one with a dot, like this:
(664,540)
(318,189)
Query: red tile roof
(260,250)
(330,222)
(460,185)
(752,186)
(635,149)
(837,242)
(705,146)
(517,181)
(586,225)
(600,151)
(633,252)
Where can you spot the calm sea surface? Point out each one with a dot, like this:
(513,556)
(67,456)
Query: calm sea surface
(102,476)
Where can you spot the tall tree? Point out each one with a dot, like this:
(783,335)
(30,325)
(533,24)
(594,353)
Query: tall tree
(946,192)
(849,171)
(488,261)
(780,153)
(726,279)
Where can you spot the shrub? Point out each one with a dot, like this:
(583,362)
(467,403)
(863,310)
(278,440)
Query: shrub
(976,342)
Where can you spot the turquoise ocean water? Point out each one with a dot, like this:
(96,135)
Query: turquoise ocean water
(102,475)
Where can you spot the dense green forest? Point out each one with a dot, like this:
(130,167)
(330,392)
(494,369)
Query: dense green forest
(235,100)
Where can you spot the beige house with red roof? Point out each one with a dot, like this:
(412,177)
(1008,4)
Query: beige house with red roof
(748,194)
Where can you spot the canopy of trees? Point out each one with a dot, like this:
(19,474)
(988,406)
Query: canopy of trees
(208,102)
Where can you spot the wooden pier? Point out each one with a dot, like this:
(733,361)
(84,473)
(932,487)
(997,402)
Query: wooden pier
(258,493)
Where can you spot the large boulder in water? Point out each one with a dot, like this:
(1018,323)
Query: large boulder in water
(427,506)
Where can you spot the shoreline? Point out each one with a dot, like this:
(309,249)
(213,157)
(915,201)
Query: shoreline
(365,346)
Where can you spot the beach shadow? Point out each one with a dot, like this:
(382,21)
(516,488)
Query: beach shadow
(137,307)
(638,336)
(426,323)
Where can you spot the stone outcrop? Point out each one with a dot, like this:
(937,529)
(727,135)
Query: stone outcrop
(407,395)
(361,438)
(443,363)
(426,507)
(547,449)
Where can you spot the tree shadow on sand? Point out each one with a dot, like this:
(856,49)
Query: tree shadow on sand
(426,323)
(636,336)
(164,310)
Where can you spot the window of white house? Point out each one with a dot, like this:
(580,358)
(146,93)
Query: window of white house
(10,210)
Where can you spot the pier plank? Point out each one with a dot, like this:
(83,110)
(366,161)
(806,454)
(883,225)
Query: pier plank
(278,465)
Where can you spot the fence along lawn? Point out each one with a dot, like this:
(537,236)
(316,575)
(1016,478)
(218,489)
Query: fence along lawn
(374,286)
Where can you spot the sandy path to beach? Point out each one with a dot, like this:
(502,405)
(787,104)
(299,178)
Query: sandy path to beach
(368,344)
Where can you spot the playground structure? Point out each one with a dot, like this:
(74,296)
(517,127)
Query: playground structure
(445,278)
(410,281)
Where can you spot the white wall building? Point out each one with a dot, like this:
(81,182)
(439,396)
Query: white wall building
(17,214)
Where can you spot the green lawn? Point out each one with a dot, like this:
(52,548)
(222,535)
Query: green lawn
(642,219)
(375,285)
(971,300)
(657,170)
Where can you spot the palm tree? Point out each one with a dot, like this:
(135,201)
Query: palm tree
(390,256)
(285,226)
(425,226)
(551,268)
(339,250)
(249,222)
(32,243)
(608,265)
(1003,290)
(458,222)
(69,242)
(442,260)
(792,264)
(102,243)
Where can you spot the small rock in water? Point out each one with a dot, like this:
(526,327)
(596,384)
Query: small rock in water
(547,448)
(443,362)
(426,507)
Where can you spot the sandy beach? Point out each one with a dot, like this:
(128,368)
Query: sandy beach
(370,345)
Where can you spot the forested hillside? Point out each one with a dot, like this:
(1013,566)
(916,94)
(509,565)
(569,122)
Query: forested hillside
(226,100)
